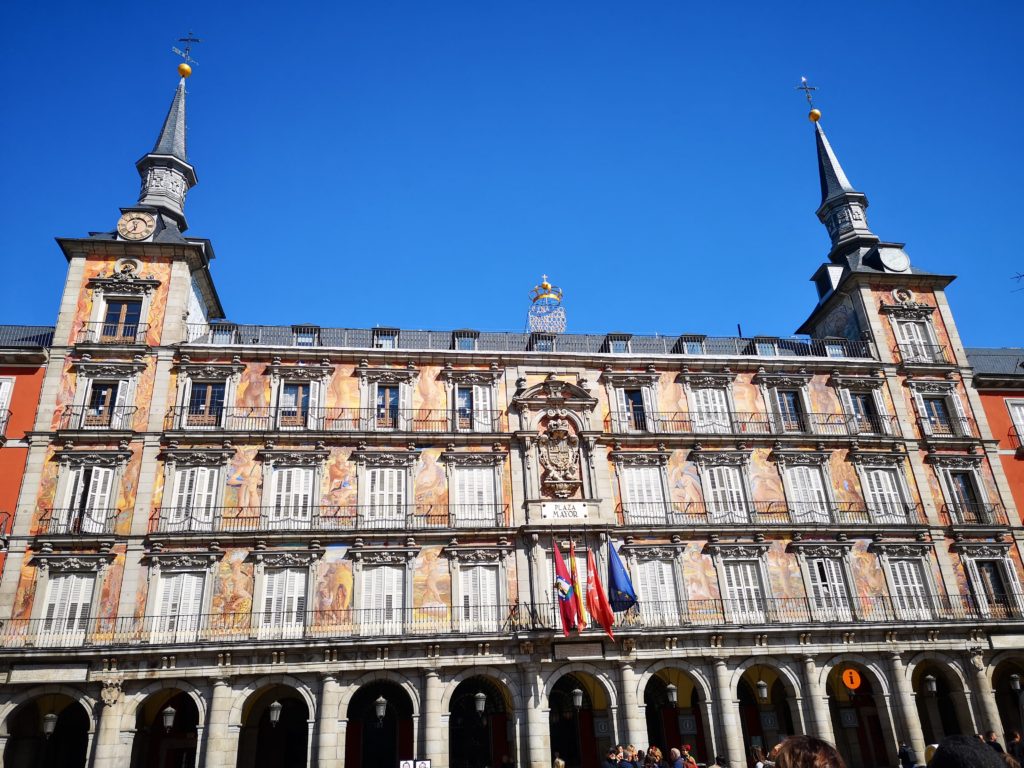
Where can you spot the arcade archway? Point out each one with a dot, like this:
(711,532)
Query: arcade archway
(580,725)
(766,708)
(857,719)
(380,731)
(675,712)
(1009,692)
(50,731)
(941,703)
(166,733)
(478,725)
(275,729)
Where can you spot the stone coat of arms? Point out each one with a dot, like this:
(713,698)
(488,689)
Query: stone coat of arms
(559,454)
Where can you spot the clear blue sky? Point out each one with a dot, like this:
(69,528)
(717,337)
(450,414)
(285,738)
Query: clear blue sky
(419,164)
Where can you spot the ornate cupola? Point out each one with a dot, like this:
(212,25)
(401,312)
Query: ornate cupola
(843,209)
(166,173)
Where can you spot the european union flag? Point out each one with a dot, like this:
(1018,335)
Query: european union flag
(620,588)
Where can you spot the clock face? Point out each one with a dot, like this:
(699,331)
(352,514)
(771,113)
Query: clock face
(136,225)
(894,261)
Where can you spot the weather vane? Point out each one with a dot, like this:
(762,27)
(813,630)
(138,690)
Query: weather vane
(815,113)
(185,68)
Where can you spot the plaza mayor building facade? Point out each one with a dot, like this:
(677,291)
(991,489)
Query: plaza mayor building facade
(299,545)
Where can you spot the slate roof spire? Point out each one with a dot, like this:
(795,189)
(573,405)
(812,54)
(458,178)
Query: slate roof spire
(167,176)
(843,208)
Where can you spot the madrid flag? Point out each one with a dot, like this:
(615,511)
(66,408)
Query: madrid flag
(597,601)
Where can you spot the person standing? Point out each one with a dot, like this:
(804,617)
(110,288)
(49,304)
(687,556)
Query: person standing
(1015,746)
(906,756)
(992,741)
(558,762)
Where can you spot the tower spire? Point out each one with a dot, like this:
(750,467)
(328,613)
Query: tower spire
(843,208)
(166,173)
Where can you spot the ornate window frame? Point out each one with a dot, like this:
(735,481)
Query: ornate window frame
(740,459)
(822,459)
(204,563)
(648,382)
(659,459)
(371,378)
(176,458)
(366,460)
(189,373)
(950,393)
(770,382)
(317,376)
(468,556)
(454,460)
(722,554)
(943,463)
(864,461)
(126,374)
(124,282)
(807,551)
(845,386)
(70,459)
(281,559)
(273,459)
(999,552)
(48,563)
(693,380)
(454,378)
(904,550)
(362,556)
(674,554)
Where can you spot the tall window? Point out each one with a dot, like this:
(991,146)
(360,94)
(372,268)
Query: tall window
(6,388)
(473,409)
(643,495)
(659,598)
(86,501)
(829,596)
(744,592)
(386,496)
(295,401)
(808,501)
(293,497)
(193,499)
(965,500)
(382,600)
(910,595)
(105,405)
(66,611)
(478,588)
(791,411)
(121,321)
(180,606)
(473,496)
(724,496)
(863,412)
(387,413)
(937,416)
(915,339)
(632,411)
(711,410)
(206,404)
(284,601)
(1016,408)
(885,496)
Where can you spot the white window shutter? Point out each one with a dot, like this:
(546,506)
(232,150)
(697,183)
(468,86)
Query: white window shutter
(810,501)
(101,482)
(884,495)
(726,492)
(405,415)
(482,416)
(313,419)
(744,590)
(645,495)
(119,419)
(205,495)
(6,387)
(908,581)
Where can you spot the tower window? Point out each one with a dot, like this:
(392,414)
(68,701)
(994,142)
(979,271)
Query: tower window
(121,321)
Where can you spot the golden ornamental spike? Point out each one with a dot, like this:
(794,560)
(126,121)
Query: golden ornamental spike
(815,114)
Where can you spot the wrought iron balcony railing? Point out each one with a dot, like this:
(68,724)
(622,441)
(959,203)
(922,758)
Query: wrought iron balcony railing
(1016,441)
(283,519)
(87,417)
(974,514)
(113,333)
(767,513)
(5,416)
(76,522)
(499,620)
(284,418)
(639,420)
(923,354)
(948,427)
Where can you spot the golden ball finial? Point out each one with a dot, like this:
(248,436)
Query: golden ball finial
(184,69)
(814,115)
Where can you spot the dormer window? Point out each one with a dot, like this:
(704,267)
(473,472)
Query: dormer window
(766,347)
(385,338)
(691,345)
(617,343)
(465,341)
(305,335)
(541,342)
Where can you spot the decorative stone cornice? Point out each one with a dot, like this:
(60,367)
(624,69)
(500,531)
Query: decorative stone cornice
(287,559)
(293,458)
(474,458)
(490,376)
(800,458)
(752,551)
(100,369)
(782,378)
(208,370)
(640,458)
(124,281)
(720,458)
(955,461)
(931,386)
(856,383)
(62,563)
(902,548)
(907,310)
(630,378)
(554,394)
(405,375)
(477,554)
(995,550)
(706,379)
(92,458)
(385,458)
(299,371)
(819,549)
(184,561)
(382,555)
(197,457)
(877,458)
(654,551)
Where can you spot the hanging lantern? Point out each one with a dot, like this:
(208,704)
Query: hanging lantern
(762,690)
(275,713)
(480,702)
(49,724)
(380,706)
(673,694)
(930,685)
(168,716)
(1015,682)
(577,698)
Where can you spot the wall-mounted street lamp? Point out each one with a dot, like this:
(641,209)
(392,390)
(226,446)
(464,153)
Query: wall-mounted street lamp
(1015,682)
(480,702)
(380,706)
(577,698)
(168,716)
(931,685)
(762,690)
(49,724)
(673,694)
(275,713)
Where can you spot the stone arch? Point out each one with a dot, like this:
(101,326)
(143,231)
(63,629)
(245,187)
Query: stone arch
(948,663)
(496,675)
(350,690)
(1014,655)
(932,712)
(887,726)
(789,678)
(137,699)
(706,738)
(878,675)
(257,685)
(88,702)
(599,675)
(693,672)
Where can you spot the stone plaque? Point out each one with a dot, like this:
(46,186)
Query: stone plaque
(769,721)
(50,673)
(579,650)
(848,717)
(688,724)
(563,510)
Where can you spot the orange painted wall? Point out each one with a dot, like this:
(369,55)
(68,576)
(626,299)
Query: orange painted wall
(994,403)
(24,401)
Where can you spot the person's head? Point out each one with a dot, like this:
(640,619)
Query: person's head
(807,752)
(686,749)
(775,752)
(1013,736)
(674,753)
(965,752)
(757,753)
(990,735)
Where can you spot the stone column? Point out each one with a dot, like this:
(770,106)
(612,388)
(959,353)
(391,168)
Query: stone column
(109,749)
(988,718)
(906,705)
(728,714)
(634,726)
(327,727)
(538,731)
(820,716)
(435,740)
(221,748)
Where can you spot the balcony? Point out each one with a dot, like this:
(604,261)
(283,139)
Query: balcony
(5,416)
(640,421)
(113,333)
(89,418)
(923,354)
(1016,433)
(286,419)
(76,522)
(439,622)
(948,427)
(767,513)
(328,519)
(975,514)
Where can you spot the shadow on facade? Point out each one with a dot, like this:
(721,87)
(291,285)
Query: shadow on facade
(29,745)
(264,743)
(673,723)
(478,728)
(943,711)
(860,720)
(165,731)
(379,732)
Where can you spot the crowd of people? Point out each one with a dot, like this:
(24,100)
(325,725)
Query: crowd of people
(981,751)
